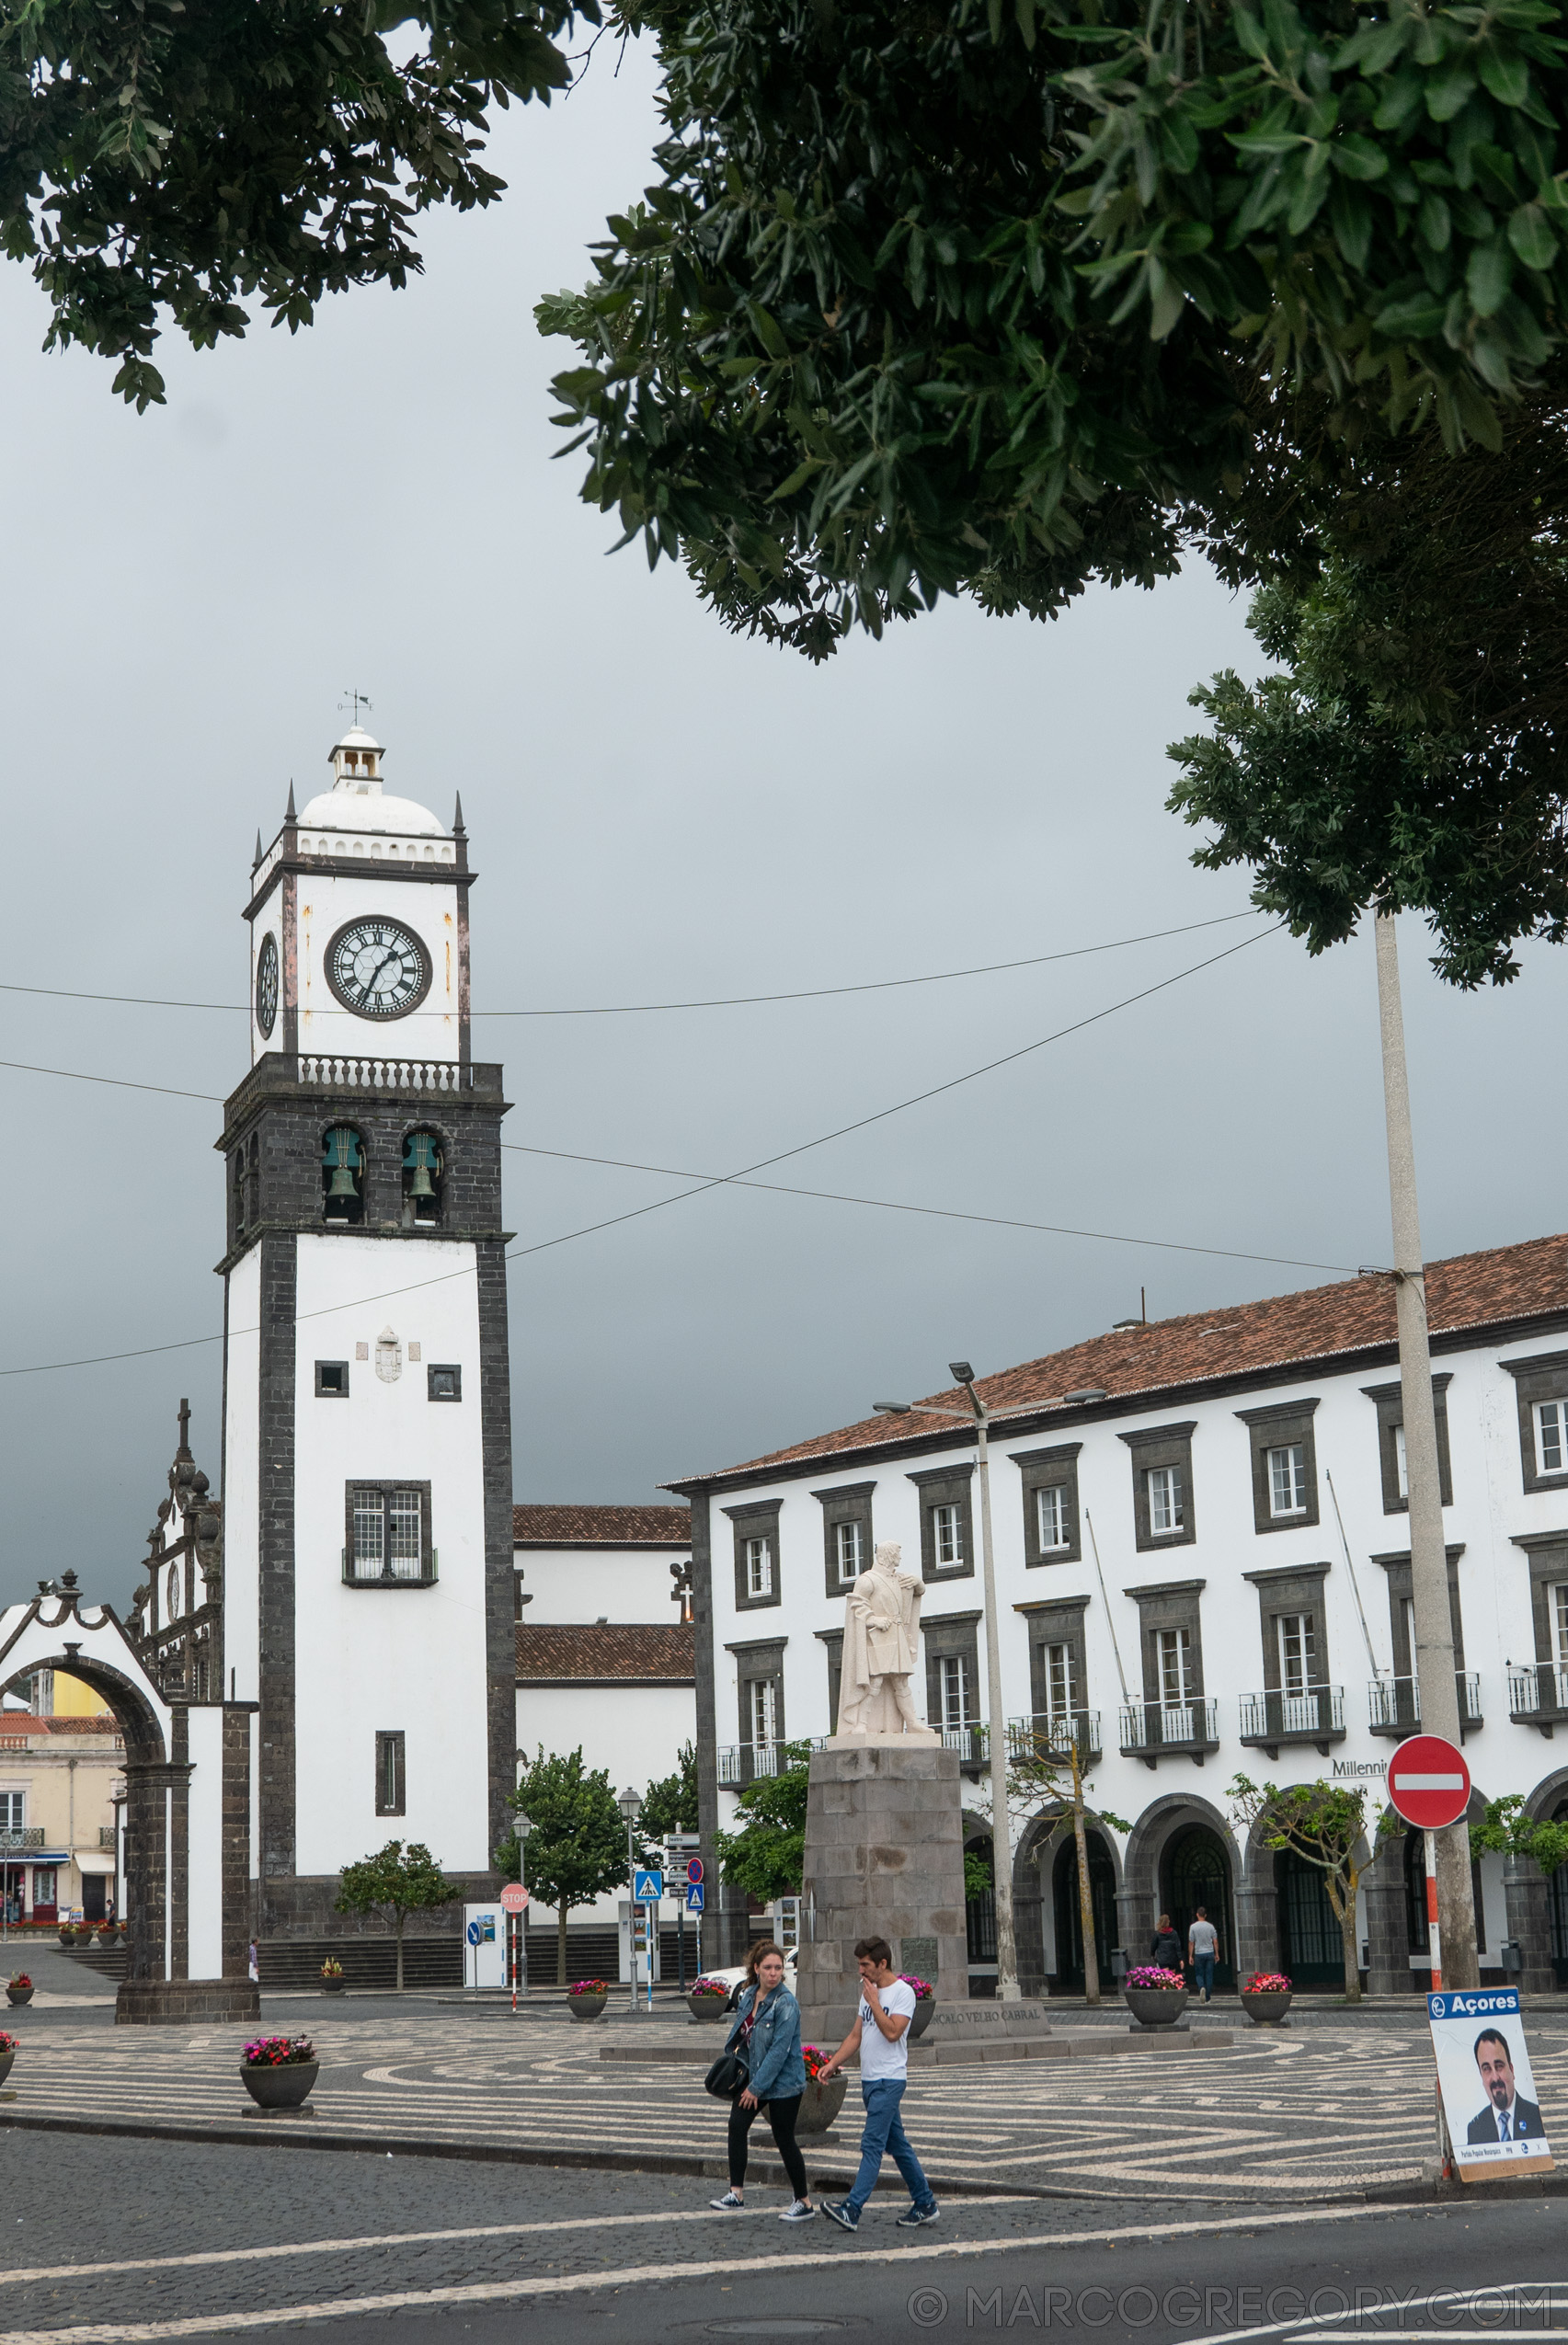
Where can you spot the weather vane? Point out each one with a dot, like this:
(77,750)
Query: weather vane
(360,700)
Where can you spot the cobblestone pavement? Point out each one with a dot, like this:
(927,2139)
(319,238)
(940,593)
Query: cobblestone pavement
(1289,2117)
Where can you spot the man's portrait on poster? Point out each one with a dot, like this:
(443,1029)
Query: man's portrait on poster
(1507,2116)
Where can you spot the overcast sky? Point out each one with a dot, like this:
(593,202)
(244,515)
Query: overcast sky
(658,812)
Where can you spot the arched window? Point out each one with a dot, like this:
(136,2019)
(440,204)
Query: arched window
(343,1174)
(423,1161)
(239,1192)
(174,1593)
(253,1192)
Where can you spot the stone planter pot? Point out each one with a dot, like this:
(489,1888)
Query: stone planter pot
(68,1938)
(587,2007)
(18,1994)
(925,2011)
(284,2088)
(5,2060)
(333,1986)
(708,2007)
(1267,2009)
(819,2104)
(1156,2007)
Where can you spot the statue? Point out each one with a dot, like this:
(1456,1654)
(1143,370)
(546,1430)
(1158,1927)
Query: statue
(882,1626)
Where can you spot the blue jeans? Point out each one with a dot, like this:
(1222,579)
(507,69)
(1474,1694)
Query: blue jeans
(1203,1974)
(884,2131)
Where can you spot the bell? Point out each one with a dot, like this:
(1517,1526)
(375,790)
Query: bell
(421,1185)
(341,1183)
(342,1155)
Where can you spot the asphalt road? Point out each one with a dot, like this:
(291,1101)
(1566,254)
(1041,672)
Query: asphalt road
(124,2243)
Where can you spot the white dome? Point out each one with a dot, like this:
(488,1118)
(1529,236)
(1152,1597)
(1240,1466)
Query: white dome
(350,809)
(356,737)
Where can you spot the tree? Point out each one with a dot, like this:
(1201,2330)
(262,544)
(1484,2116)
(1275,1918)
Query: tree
(395,1880)
(576,1849)
(178,155)
(671,1804)
(766,1856)
(1505,1830)
(1035,1767)
(1325,1825)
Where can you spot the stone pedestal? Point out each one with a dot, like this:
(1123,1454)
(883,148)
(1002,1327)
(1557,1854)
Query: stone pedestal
(884,1858)
(177,2002)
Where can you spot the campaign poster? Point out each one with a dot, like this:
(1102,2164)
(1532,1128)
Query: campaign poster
(1483,2074)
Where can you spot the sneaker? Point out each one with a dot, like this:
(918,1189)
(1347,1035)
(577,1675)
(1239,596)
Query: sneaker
(915,2217)
(844,2214)
(799,2213)
(731,2203)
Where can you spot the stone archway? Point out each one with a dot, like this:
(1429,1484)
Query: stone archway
(186,1931)
(1250,1903)
(1038,1854)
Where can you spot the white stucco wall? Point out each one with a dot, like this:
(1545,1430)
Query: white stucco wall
(205,1876)
(242,1596)
(633,1731)
(371,1660)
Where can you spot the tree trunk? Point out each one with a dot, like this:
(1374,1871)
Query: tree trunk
(561,1943)
(400,1919)
(1348,1936)
(1085,1902)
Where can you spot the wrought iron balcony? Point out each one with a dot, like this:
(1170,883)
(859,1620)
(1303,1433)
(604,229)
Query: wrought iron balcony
(1538,1696)
(16,1838)
(1051,1735)
(742,1763)
(1315,1714)
(1152,1731)
(395,1572)
(1394,1703)
(972,1744)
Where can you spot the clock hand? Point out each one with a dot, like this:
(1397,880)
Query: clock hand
(380,964)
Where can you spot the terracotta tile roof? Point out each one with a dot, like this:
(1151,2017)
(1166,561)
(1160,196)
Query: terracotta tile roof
(1262,1341)
(628,1653)
(22,1722)
(601,1526)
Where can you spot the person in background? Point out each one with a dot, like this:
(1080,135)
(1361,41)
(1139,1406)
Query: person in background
(767,2029)
(1165,1948)
(1203,1945)
(880,2034)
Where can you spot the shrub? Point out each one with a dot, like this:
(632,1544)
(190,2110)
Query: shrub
(1268,1983)
(1154,1975)
(710,1986)
(816,2059)
(278,2052)
(20,1978)
(332,1968)
(588,1986)
(8,2043)
(924,1991)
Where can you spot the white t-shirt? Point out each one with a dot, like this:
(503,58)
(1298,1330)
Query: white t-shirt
(1203,1938)
(877,2057)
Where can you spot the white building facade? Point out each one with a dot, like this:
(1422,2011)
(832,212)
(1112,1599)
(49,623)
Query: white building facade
(1203,1569)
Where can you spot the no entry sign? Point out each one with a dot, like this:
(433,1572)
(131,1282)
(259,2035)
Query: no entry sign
(1429,1782)
(514,1898)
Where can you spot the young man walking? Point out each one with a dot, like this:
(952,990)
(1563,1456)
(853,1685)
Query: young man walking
(881,2036)
(1203,1945)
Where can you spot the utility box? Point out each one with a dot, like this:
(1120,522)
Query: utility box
(638,1938)
(484,1946)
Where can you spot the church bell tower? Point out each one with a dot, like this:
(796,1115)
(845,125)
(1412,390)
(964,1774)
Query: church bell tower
(367,1482)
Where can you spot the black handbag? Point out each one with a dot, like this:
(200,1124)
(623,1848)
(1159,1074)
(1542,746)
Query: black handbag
(729,2076)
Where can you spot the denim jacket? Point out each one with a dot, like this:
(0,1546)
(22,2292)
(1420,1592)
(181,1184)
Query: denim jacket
(778,2072)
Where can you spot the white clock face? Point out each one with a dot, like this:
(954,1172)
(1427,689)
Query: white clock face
(267,984)
(378,968)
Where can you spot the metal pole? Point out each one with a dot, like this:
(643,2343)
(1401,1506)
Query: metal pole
(631,1911)
(1437,1688)
(1085,1902)
(1007,1987)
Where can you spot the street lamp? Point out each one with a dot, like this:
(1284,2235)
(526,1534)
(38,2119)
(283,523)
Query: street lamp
(1007,1987)
(522,1828)
(630,1807)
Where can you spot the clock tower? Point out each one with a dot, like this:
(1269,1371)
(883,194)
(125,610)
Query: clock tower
(367,1422)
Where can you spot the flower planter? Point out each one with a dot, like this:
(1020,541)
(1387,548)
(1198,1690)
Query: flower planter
(587,2007)
(819,2104)
(284,2086)
(1267,2009)
(18,1994)
(708,2007)
(1156,2007)
(5,2060)
(68,1938)
(333,1986)
(925,2012)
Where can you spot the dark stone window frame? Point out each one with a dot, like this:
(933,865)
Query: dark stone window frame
(1396,1570)
(1286,1425)
(850,1503)
(1057,1620)
(954,1636)
(392,1773)
(832,1641)
(435,1368)
(756,1662)
(1174,1605)
(1541,1376)
(1295,1587)
(758,1520)
(1053,1468)
(1546,1556)
(1388,1400)
(384,1579)
(324,1391)
(1162,1445)
(945,1486)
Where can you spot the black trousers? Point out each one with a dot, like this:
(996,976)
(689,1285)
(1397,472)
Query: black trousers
(780,2117)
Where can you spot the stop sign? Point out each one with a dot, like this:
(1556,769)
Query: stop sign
(1429,1782)
(514,1898)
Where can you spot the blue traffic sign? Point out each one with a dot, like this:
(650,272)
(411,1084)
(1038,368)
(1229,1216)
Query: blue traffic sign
(697,1896)
(473,1933)
(648,1888)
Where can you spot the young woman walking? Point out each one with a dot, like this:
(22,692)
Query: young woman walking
(767,2025)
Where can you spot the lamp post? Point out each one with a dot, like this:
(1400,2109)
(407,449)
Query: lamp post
(1007,1987)
(630,1807)
(522,1828)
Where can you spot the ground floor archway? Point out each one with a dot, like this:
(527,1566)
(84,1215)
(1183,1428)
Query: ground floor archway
(1312,1947)
(1067,1911)
(1195,1870)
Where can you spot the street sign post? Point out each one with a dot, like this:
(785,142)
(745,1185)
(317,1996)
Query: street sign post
(1429,1787)
(514,1898)
(694,1869)
(514,1904)
(647,1886)
(695,1896)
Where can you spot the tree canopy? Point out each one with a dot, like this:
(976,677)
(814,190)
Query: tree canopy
(766,1853)
(577,1848)
(398,1881)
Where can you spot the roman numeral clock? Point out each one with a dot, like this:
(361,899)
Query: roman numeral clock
(368,1464)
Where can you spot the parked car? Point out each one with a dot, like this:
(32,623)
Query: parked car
(735,1979)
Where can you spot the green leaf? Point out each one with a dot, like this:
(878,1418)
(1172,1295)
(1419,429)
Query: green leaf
(1504,73)
(1351,216)
(1434,225)
(1358,157)
(1416,319)
(1448,90)
(1488,277)
(1530,235)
